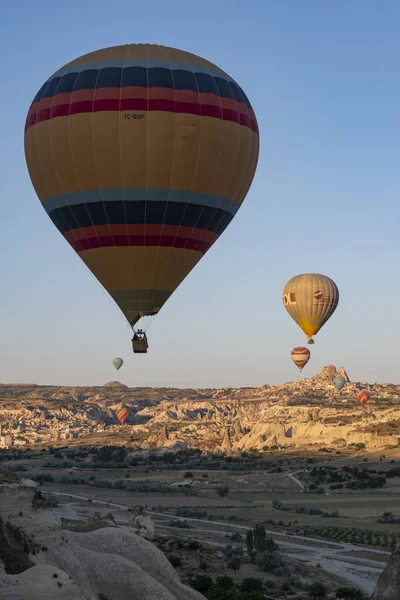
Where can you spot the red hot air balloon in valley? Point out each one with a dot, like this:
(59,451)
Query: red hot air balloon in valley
(122,414)
(363,397)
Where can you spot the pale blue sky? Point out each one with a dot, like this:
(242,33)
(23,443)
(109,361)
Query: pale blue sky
(323,80)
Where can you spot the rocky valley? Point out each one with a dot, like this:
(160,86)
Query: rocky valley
(309,413)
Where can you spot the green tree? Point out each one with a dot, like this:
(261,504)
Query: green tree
(228,551)
(259,537)
(271,546)
(223,491)
(271,562)
(249,542)
(234,564)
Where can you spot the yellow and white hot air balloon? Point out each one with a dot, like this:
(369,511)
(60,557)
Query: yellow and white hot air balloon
(310,299)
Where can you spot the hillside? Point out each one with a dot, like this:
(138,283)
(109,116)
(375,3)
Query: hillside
(310,412)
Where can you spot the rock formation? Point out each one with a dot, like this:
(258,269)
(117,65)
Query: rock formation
(327,373)
(142,524)
(42,582)
(342,373)
(110,562)
(226,445)
(116,384)
(388,586)
(304,413)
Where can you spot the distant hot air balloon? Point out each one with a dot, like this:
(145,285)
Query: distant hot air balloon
(363,396)
(300,357)
(310,299)
(141,155)
(122,414)
(117,362)
(339,382)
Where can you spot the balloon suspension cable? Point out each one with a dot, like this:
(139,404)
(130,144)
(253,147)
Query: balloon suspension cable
(149,320)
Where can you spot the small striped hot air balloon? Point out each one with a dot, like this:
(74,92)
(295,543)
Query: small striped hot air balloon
(300,357)
(363,396)
(122,414)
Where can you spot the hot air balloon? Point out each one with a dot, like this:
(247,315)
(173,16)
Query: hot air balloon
(300,357)
(339,382)
(122,414)
(363,396)
(141,155)
(117,362)
(310,299)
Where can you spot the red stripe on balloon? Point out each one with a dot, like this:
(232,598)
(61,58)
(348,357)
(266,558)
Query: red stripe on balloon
(140,104)
(140,240)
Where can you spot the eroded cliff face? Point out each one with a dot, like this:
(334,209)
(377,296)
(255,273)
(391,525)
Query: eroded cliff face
(304,414)
(309,412)
(388,586)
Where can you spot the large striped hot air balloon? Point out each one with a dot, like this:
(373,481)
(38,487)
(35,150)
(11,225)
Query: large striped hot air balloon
(300,357)
(363,396)
(141,155)
(310,299)
(122,414)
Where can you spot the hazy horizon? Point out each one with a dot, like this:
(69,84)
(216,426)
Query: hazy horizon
(322,81)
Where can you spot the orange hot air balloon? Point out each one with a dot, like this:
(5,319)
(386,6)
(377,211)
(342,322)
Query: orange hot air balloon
(300,357)
(122,414)
(363,397)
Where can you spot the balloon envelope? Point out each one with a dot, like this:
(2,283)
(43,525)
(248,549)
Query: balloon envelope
(122,414)
(117,362)
(141,155)
(310,299)
(339,382)
(300,356)
(363,396)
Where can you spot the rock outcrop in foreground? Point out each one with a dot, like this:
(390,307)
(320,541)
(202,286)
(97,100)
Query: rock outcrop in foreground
(388,586)
(110,562)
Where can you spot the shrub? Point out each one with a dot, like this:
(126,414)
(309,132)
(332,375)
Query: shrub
(175,561)
(252,584)
(225,582)
(43,478)
(346,593)
(193,545)
(201,583)
(317,591)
